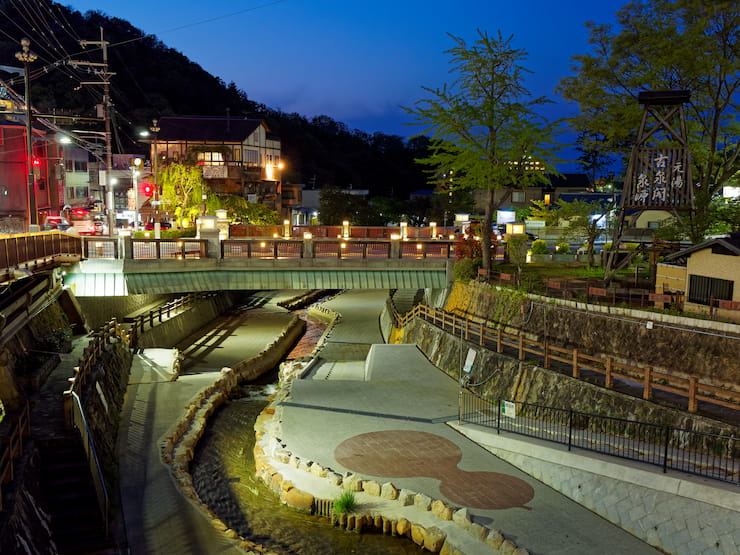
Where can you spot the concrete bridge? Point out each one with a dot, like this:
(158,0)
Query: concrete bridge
(122,266)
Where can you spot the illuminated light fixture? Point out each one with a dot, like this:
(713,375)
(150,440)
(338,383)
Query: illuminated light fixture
(180,244)
(208,222)
(262,244)
(345,229)
(404,230)
(343,246)
(452,236)
(395,236)
(275,235)
(307,235)
(433,229)
(286,229)
(547,199)
(418,246)
(515,228)
(222,214)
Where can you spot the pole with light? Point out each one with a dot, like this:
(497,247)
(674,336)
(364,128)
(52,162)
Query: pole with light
(26,56)
(155,129)
(135,165)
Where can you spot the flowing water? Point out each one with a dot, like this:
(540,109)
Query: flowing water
(223,474)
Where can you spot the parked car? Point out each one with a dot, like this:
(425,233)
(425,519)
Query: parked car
(162,225)
(58,223)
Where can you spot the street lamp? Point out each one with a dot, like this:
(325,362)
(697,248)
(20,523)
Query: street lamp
(155,129)
(136,163)
(26,56)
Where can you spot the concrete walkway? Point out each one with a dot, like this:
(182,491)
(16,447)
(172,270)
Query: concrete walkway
(387,421)
(158,518)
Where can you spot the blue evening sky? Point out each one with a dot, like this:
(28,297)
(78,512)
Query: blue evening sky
(356,60)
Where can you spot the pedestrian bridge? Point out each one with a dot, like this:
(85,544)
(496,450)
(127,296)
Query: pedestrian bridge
(125,266)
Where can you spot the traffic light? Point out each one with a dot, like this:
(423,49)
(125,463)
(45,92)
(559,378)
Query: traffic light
(147,189)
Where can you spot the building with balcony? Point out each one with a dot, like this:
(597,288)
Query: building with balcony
(238,156)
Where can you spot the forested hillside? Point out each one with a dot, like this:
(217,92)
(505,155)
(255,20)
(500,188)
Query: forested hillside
(152,80)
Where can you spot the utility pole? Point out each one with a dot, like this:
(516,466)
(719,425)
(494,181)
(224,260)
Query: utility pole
(26,56)
(101,70)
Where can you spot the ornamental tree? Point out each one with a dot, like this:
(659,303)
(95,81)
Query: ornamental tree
(483,126)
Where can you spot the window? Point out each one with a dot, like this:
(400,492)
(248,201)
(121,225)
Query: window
(210,158)
(703,289)
(517,196)
(251,156)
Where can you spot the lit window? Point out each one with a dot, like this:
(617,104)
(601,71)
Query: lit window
(210,159)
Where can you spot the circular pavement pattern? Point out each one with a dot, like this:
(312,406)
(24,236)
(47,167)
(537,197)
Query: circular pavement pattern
(406,454)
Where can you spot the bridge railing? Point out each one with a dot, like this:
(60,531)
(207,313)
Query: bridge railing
(709,455)
(26,250)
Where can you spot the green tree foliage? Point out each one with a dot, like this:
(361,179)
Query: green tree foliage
(577,220)
(183,188)
(659,45)
(483,125)
(239,210)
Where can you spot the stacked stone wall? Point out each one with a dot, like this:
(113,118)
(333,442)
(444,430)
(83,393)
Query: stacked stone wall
(684,347)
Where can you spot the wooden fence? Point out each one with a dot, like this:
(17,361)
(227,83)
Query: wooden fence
(474,329)
(20,428)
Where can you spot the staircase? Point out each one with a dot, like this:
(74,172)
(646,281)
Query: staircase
(77,524)
(406,299)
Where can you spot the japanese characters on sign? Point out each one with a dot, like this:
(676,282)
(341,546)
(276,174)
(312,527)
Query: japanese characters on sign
(660,178)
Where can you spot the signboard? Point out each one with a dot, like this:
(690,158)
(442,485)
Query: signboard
(508,409)
(469,360)
(214,172)
(659,178)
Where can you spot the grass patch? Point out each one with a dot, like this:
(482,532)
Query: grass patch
(345,503)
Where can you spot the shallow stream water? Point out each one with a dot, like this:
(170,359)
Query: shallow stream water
(223,473)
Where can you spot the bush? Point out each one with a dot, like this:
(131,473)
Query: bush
(345,503)
(466,269)
(562,248)
(539,247)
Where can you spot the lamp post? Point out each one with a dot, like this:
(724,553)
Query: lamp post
(26,56)
(155,129)
(136,162)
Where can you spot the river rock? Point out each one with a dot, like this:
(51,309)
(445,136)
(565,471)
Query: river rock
(371,487)
(298,499)
(417,534)
(423,502)
(434,539)
(389,491)
(441,510)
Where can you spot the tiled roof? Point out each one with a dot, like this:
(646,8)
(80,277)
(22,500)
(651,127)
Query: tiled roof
(205,128)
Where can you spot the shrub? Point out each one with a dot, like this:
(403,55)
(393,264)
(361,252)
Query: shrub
(539,246)
(345,503)
(563,248)
(466,269)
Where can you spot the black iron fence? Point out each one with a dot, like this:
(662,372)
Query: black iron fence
(708,455)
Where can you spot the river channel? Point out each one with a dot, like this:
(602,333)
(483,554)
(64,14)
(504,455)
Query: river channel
(223,473)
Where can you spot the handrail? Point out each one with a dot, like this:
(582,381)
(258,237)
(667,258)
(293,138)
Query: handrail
(14,447)
(80,422)
(160,313)
(691,388)
(710,455)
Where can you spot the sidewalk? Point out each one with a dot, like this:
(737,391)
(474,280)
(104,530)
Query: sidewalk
(387,421)
(158,517)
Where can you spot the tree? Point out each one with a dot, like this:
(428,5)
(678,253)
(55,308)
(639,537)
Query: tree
(183,188)
(483,126)
(579,219)
(239,210)
(666,44)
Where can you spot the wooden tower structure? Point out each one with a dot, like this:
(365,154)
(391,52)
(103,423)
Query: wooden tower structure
(659,169)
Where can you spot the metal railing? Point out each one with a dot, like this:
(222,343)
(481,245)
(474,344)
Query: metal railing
(708,455)
(161,313)
(80,423)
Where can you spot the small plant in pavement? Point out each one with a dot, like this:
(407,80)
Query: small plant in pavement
(345,503)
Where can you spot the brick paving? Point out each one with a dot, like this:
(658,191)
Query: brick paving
(400,453)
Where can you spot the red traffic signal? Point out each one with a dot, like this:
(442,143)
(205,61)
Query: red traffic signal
(147,189)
